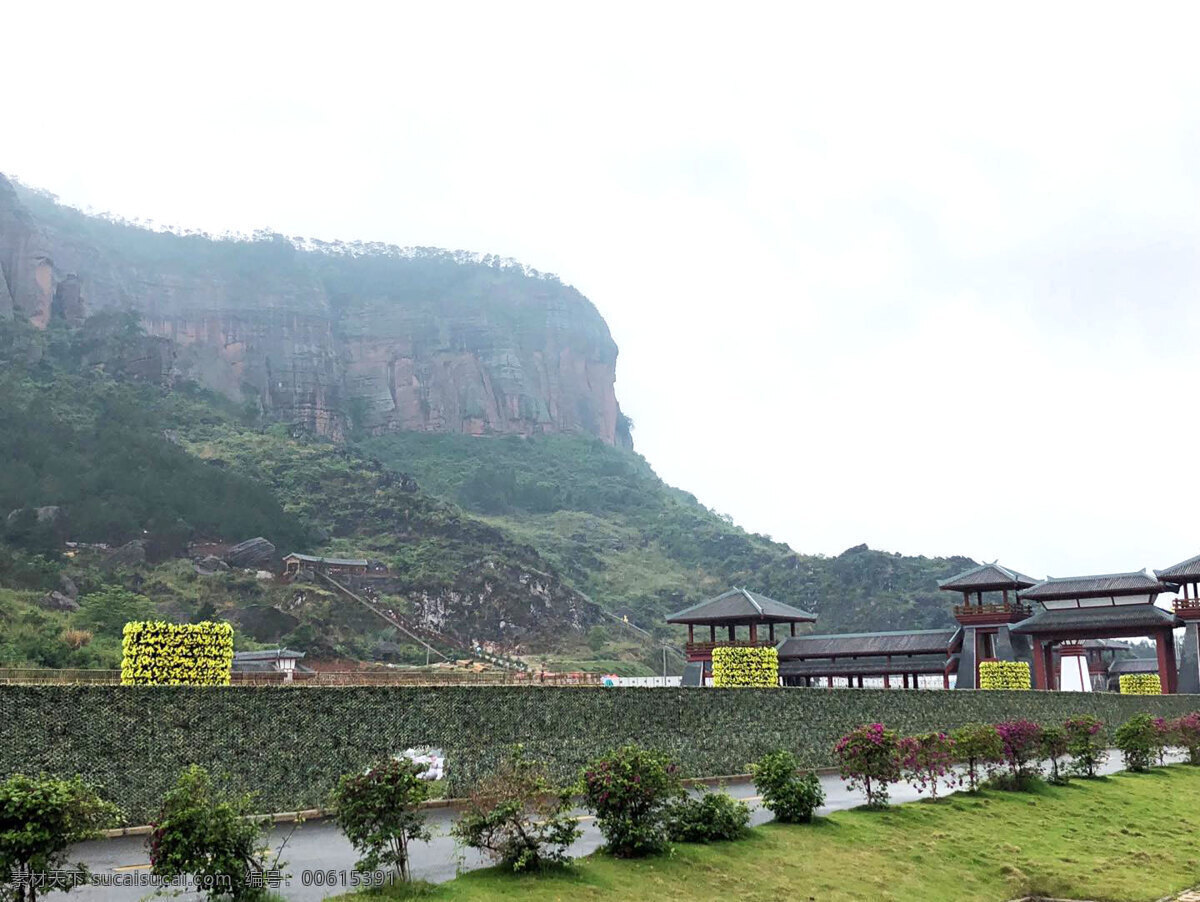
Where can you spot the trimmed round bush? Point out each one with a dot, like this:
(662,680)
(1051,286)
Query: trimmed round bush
(787,792)
(708,817)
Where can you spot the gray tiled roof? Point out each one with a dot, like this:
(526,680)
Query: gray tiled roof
(868,666)
(267,654)
(986,577)
(1057,587)
(1133,665)
(334,561)
(1184,570)
(741,606)
(1131,617)
(908,642)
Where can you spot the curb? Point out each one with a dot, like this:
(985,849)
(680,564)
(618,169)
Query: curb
(314,814)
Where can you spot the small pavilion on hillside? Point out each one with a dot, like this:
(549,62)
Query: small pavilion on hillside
(906,655)
(756,613)
(990,607)
(1107,606)
(1186,575)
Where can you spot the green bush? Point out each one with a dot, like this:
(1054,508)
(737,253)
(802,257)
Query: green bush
(1140,684)
(977,745)
(708,817)
(1138,740)
(787,792)
(1053,745)
(208,835)
(40,817)
(630,791)
(517,818)
(380,813)
(1004,675)
(738,667)
(1085,743)
(171,654)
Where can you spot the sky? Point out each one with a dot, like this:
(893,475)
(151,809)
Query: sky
(923,276)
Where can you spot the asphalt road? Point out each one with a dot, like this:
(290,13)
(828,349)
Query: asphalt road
(318,846)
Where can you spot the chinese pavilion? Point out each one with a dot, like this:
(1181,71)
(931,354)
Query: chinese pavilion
(1109,606)
(990,607)
(1186,575)
(757,613)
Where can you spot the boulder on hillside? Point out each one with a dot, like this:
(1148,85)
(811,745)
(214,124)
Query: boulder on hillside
(252,554)
(56,601)
(67,586)
(210,565)
(131,554)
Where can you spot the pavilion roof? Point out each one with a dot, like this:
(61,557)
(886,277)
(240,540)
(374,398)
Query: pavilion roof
(1127,619)
(1184,571)
(906,642)
(985,578)
(874,665)
(1057,587)
(741,606)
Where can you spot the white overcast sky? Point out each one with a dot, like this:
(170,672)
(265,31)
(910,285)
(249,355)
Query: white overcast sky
(919,276)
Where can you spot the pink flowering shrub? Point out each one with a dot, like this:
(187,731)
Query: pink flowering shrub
(1085,742)
(630,790)
(926,762)
(869,760)
(1187,735)
(1164,738)
(1019,740)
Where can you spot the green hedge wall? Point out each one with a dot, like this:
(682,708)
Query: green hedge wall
(289,744)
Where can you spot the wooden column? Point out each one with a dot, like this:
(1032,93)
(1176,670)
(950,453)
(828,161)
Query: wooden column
(830,682)
(753,633)
(1039,665)
(887,681)
(771,629)
(905,680)
(712,633)
(732,632)
(793,627)
(916,682)
(945,680)
(1167,674)
(860,682)
(691,633)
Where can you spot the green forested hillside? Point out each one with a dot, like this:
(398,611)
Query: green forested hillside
(639,546)
(495,541)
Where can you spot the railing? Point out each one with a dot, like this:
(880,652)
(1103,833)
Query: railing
(705,648)
(1187,604)
(1009,607)
(33,677)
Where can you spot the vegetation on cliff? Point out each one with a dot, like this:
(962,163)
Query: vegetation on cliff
(524,542)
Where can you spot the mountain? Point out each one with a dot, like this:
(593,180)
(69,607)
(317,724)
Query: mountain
(449,415)
(328,335)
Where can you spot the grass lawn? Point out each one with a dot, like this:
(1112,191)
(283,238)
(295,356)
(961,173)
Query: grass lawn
(1126,837)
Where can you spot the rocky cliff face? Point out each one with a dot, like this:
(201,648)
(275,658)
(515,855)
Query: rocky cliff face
(327,337)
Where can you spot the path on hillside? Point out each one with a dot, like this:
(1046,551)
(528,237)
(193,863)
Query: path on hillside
(320,846)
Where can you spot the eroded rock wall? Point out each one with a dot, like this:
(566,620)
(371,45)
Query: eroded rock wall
(326,342)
